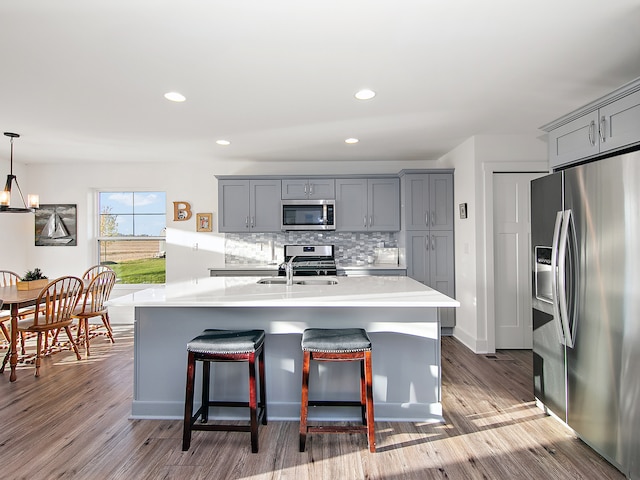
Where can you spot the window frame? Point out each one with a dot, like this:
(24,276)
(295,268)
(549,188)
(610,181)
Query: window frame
(132,238)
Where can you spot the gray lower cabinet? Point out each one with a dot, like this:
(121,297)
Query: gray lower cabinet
(249,205)
(371,204)
(430,260)
(601,129)
(313,189)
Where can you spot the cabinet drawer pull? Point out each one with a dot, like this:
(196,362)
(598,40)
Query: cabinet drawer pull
(603,129)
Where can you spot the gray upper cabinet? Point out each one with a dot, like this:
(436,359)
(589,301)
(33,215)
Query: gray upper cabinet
(606,125)
(574,140)
(368,204)
(620,123)
(249,205)
(316,188)
(429,201)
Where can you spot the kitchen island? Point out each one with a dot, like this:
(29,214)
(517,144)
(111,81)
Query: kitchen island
(399,313)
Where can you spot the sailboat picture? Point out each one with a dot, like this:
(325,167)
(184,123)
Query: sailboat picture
(55,225)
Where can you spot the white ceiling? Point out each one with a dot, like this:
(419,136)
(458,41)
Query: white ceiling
(83,80)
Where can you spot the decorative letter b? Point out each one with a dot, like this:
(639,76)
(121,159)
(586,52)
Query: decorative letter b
(181,211)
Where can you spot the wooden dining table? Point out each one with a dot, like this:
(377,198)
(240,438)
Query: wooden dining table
(14,300)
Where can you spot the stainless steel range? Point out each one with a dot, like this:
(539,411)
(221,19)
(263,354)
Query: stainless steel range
(309,260)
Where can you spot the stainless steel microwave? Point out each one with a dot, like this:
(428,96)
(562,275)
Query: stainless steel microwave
(308,215)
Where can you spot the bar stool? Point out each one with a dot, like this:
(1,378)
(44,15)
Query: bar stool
(338,345)
(225,346)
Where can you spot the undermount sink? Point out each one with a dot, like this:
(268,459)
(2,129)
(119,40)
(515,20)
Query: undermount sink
(283,281)
(272,281)
(318,281)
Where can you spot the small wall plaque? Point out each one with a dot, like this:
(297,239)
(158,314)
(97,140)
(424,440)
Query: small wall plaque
(463,210)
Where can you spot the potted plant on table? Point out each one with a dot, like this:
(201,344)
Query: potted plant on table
(32,280)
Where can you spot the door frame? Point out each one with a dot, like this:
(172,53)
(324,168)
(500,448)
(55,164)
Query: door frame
(488,287)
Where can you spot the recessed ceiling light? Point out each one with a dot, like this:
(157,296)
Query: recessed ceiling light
(365,94)
(351,140)
(223,142)
(175,97)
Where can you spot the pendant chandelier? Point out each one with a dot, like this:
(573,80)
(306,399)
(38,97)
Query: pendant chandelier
(33,201)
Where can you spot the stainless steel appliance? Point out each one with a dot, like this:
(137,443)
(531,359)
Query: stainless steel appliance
(308,215)
(585,236)
(310,260)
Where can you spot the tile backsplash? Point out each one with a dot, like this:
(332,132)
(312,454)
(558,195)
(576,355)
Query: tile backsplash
(259,248)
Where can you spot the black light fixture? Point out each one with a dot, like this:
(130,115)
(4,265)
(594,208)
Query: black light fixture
(33,201)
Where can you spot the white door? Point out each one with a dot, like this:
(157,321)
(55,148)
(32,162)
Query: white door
(512,271)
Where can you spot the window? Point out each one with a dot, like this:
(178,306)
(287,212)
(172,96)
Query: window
(131,238)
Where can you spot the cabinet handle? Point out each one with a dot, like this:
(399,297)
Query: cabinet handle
(433,242)
(426,242)
(592,129)
(246,222)
(311,189)
(365,220)
(253,222)
(433,218)
(426,218)
(306,187)
(371,221)
(603,129)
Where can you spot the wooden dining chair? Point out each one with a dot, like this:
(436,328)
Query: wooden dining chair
(92,305)
(7,278)
(58,301)
(95,270)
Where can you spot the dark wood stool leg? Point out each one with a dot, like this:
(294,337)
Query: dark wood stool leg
(371,436)
(188,402)
(263,387)
(206,385)
(363,392)
(253,403)
(304,404)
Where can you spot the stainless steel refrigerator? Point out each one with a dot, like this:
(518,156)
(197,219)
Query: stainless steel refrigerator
(585,236)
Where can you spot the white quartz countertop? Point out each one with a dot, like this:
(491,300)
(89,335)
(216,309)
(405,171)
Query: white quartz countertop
(245,291)
(345,266)
(247,266)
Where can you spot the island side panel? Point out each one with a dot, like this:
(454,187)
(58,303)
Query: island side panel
(406,360)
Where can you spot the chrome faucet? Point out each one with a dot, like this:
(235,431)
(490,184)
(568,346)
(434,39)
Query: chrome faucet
(288,270)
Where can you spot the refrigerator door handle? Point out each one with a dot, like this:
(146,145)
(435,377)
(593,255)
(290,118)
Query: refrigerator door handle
(554,277)
(562,287)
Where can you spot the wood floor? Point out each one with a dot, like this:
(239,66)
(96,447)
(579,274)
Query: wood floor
(72,422)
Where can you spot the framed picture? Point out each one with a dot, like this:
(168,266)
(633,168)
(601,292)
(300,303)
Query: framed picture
(56,225)
(203,222)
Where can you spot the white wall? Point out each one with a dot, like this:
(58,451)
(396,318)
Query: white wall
(475,161)
(462,158)
(15,227)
